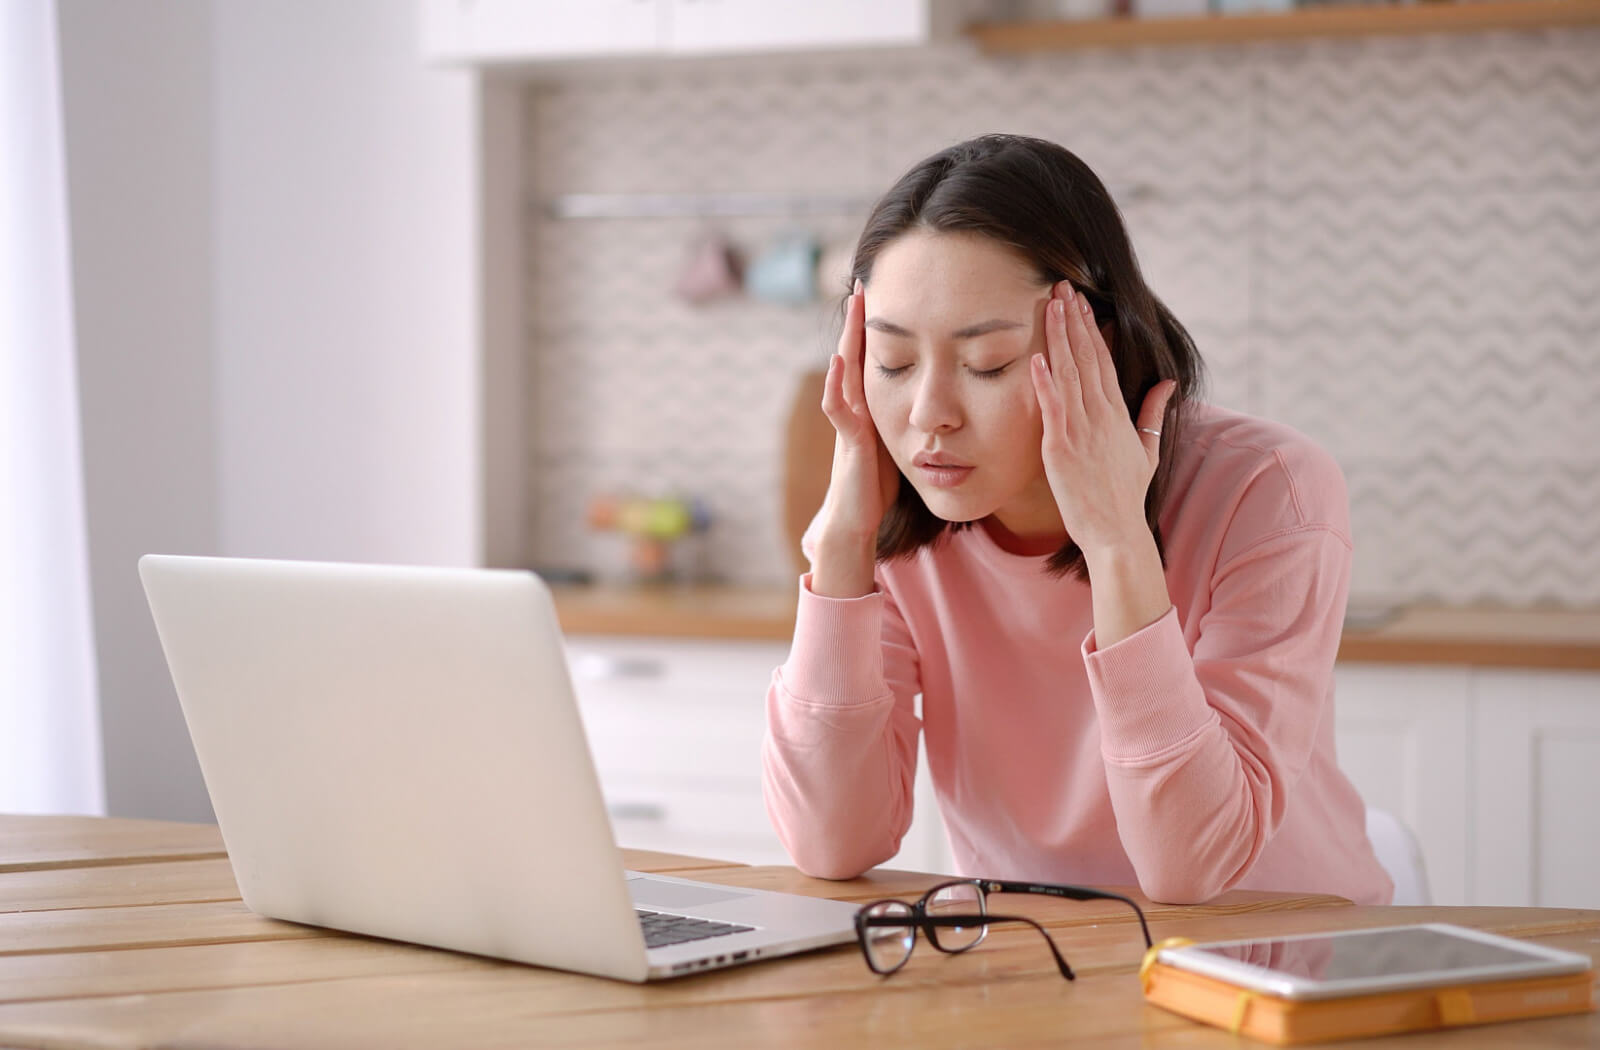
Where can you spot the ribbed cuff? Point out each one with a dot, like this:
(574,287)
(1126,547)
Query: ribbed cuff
(837,656)
(1145,691)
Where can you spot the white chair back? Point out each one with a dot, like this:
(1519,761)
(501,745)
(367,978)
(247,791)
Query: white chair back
(1400,855)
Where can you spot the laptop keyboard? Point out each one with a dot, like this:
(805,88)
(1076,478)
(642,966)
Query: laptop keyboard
(662,929)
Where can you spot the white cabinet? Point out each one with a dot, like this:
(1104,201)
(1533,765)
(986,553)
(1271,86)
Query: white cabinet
(1537,753)
(760,25)
(498,31)
(675,728)
(1402,735)
(1494,770)
(492,31)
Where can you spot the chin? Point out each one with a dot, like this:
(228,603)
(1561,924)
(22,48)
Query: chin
(948,507)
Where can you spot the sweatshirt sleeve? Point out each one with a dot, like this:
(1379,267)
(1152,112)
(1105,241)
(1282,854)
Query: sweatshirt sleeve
(840,753)
(1202,747)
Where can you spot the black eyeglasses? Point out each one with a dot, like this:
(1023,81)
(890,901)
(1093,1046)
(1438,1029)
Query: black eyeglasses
(955,916)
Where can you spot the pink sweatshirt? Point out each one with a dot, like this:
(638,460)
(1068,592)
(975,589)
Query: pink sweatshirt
(1193,757)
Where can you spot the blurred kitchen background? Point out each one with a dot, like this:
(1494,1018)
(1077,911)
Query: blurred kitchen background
(1392,244)
(545,285)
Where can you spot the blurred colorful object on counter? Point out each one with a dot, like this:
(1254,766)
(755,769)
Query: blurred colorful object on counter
(652,525)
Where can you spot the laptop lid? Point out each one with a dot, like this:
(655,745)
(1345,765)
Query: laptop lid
(397,752)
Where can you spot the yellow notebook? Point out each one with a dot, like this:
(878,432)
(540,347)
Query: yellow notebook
(1289,1022)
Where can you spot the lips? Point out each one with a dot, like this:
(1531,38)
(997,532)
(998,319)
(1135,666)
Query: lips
(941,470)
(938,461)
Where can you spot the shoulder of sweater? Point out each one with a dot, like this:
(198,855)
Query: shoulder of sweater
(1268,475)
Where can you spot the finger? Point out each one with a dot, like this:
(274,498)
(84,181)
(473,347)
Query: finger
(1108,368)
(1056,327)
(833,401)
(1083,352)
(852,348)
(1152,414)
(1050,407)
(1063,367)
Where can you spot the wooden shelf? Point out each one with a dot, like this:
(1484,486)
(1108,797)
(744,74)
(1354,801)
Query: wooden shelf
(1438,16)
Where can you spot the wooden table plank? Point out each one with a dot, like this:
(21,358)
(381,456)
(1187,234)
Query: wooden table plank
(164,882)
(672,863)
(142,926)
(502,1008)
(986,1005)
(908,885)
(1008,952)
(34,843)
(67,910)
(81,975)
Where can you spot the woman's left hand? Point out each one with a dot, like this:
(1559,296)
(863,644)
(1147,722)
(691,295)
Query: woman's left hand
(1098,461)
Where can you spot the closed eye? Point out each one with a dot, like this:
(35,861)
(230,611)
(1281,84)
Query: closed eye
(991,373)
(890,373)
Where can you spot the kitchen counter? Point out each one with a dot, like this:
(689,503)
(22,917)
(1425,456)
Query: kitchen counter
(708,612)
(1470,636)
(1480,636)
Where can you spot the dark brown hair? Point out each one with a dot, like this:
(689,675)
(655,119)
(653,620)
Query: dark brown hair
(1043,202)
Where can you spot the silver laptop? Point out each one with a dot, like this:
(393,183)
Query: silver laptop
(398,752)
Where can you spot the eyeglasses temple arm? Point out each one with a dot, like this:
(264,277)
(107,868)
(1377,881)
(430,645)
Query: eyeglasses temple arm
(1077,893)
(975,920)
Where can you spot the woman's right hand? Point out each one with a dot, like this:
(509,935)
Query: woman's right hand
(864,480)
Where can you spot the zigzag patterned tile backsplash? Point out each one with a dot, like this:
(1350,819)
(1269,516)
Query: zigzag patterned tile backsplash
(1392,244)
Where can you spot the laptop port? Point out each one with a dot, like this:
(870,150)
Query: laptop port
(740,955)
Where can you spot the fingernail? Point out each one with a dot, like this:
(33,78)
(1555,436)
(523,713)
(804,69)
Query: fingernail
(1084,305)
(858,286)
(1058,309)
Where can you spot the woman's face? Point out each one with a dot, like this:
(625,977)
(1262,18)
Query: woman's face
(951,322)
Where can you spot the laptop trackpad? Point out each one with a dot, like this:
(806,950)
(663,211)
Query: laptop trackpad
(650,893)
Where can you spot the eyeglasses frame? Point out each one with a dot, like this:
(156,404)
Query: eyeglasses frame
(929,924)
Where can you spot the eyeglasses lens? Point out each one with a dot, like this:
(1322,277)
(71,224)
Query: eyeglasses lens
(960,899)
(889,946)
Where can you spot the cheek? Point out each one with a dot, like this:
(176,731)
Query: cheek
(1018,424)
(881,403)
(1020,406)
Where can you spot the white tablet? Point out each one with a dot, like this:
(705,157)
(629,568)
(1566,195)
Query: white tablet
(1356,962)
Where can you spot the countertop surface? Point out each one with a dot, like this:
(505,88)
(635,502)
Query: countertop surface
(1463,635)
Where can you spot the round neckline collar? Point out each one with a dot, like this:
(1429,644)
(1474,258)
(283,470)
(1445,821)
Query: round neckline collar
(983,545)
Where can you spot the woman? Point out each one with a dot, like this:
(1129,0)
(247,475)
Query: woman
(1119,605)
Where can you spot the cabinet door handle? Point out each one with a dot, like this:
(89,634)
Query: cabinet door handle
(651,811)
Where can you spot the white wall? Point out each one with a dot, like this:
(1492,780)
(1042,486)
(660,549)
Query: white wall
(346,271)
(273,212)
(135,80)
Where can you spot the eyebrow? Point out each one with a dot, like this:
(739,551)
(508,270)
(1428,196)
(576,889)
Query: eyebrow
(971,331)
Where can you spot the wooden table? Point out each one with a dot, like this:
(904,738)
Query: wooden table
(119,933)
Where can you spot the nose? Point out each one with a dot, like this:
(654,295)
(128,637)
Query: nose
(935,407)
